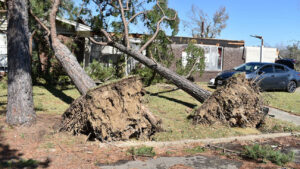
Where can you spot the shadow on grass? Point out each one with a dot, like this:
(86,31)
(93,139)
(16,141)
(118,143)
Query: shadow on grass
(11,158)
(5,95)
(190,105)
(162,92)
(59,94)
(2,112)
(2,103)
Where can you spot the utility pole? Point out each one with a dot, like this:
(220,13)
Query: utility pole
(261,46)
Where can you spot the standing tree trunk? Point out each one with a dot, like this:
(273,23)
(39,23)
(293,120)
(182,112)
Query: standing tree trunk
(69,62)
(20,108)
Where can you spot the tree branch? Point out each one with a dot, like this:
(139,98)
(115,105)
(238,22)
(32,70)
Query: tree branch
(127,5)
(30,42)
(97,42)
(157,27)
(154,35)
(193,67)
(125,24)
(135,15)
(40,22)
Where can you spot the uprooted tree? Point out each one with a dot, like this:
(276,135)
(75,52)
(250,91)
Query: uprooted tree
(136,121)
(137,124)
(119,10)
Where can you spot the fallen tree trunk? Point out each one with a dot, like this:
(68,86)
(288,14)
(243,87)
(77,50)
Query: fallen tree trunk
(111,112)
(192,89)
(83,82)
(68,61)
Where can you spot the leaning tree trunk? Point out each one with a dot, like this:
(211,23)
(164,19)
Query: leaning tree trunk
(20,108)
(83,82)
(69,62)
(181,82)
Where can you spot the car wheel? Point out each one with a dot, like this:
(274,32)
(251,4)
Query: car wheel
(291,87)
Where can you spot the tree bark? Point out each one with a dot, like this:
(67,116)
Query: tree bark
(68,61)
(194,90)
(20,108)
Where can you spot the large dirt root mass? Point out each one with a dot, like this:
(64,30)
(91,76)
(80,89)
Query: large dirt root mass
(237,104)
(111,112)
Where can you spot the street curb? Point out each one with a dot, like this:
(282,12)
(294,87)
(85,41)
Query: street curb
(203,141)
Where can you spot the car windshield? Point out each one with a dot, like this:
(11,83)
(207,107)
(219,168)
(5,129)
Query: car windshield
(248,67)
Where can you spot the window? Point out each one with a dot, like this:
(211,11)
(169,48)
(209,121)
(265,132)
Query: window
(184,58)
(267,69)
(279,69)
(248,67)
(213,57)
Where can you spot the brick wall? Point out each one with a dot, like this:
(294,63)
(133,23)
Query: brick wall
(233,57)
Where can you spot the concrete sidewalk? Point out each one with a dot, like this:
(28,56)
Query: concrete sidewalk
(282,115)
(185,162)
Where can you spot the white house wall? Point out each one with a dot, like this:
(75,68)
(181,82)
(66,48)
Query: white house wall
(253,54)
(3,50)
(211,55)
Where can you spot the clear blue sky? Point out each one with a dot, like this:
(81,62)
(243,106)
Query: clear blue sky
(278,21)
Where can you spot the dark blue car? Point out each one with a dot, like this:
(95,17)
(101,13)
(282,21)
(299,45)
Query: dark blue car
(270,76)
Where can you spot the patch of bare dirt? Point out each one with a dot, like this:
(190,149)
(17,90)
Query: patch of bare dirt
(238,104)
(112,112)
(63,150)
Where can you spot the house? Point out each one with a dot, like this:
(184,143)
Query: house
(219,54)
(66,31)
(252,54)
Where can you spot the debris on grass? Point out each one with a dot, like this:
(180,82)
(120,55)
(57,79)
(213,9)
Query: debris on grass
(238,104)
(112,112)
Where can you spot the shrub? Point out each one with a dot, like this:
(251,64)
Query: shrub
(142,151)
(98,71)
(257,152)
(148,76)
(195,150)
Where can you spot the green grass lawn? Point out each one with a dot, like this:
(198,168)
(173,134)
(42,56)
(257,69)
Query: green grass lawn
(171,105)
(285,101)
(47,100)
(174,106)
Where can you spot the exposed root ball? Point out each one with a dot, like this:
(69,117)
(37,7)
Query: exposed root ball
(111,112)
(238,104)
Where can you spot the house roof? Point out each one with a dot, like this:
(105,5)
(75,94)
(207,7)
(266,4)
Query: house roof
(78,26)
(208,41)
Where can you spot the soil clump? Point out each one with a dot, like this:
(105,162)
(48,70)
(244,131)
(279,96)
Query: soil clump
(112,112)
(238,104)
